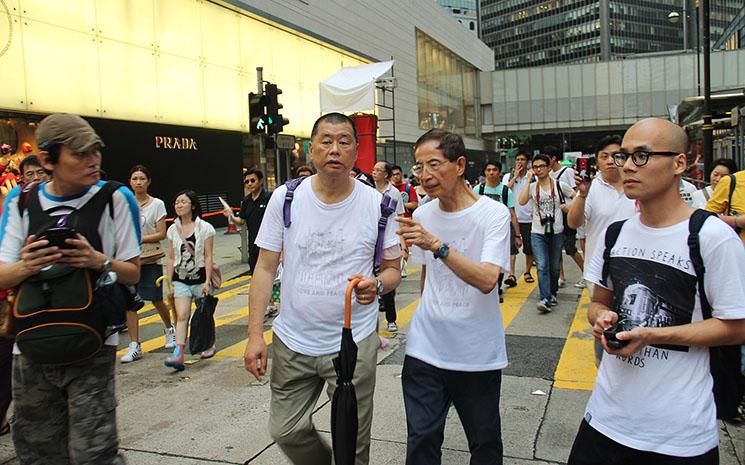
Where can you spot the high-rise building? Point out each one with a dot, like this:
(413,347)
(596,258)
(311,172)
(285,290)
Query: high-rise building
(526,33)
(465,11)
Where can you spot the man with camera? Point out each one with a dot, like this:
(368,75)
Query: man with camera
(565,174)
(547,234)
(66,413)
(653,400)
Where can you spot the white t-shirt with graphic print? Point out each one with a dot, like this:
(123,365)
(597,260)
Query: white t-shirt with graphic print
(660,398)
(325,244)
(456,326)
(549,206)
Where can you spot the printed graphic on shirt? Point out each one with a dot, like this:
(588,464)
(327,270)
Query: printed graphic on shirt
(317,271)
(654,291)
(454,293)
(188,271)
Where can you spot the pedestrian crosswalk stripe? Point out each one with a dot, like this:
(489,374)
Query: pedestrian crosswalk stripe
(231,282)
(155,318)
(160,341)
(514,298)
(576,369)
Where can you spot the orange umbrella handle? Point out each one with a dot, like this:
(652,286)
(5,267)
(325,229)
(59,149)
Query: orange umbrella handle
(348,302)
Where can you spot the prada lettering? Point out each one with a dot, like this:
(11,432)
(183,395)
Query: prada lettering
(175,143)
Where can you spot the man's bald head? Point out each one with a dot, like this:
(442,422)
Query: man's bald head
(659,134)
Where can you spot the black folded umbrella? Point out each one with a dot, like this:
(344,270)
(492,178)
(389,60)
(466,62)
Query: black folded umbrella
(344,403)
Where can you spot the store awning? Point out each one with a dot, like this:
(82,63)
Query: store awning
(352,88)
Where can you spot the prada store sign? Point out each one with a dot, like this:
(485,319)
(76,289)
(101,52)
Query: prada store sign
(175,143)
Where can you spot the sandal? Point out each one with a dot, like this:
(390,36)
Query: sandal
(209,353)
(511,281)
(528,278)
(5,429)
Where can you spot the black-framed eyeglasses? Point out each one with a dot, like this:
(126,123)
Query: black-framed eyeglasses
(640,157)
(539,167)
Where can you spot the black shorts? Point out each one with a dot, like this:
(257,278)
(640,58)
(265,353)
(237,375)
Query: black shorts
(594,448)
(570,241)
(513,246)
(525,230)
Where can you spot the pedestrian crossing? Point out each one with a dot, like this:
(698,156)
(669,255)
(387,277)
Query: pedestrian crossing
(575,370)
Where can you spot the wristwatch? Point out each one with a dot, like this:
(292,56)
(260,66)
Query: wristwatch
(379,286)
(442,251)
(106,266)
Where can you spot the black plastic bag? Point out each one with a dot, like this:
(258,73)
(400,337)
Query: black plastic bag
(202,332)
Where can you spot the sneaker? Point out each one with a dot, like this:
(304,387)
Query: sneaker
(176,360)
(581,284)
(134,352)
(403,268)
(170,337)
(392,327)
(271,311)
(552,302)
(543,306)
(562,282)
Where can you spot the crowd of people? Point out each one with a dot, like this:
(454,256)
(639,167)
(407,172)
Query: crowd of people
(667,282)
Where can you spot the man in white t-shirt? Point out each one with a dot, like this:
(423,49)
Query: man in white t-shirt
(600,202)
(65,413)
(329,240)
(382,172)
(653,401)
(516,180)
(455,349)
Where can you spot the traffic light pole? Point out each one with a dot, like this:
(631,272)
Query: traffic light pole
(707,129)
(262,154)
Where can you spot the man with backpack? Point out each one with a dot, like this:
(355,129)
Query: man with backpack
(493,188)
(63,242)
(329,230)
(661,319)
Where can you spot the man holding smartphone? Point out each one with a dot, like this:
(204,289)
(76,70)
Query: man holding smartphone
(60,411)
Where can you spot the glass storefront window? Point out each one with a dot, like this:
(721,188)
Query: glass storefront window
(446,87)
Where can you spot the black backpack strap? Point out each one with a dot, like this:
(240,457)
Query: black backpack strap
(732,185)
(481,188)
(611,236)
(291,185)
(387,208)
(695,224)
(562,197)
(505,193)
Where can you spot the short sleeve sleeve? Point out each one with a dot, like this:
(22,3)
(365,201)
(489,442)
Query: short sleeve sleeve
(496,247)
(12,234)
(719,200)
(272,230)
(126,225)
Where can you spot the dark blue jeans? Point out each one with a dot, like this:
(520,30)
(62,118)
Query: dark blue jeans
(547,255)
(428,393)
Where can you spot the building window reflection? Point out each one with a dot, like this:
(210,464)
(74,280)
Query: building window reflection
(446,86)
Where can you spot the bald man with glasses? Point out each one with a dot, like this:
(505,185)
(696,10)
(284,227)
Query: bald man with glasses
(653,401)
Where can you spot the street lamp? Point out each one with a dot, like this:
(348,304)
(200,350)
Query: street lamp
(674,18)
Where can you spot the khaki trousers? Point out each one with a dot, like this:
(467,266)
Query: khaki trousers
(297,381)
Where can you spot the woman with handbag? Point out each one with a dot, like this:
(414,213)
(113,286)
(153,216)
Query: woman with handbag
(153,226)
(191,267)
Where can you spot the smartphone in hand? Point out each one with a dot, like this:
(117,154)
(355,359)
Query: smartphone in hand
(57,236)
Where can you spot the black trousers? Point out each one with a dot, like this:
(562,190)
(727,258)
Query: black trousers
(428,394)
(6,374)
(594,448)
(387,304)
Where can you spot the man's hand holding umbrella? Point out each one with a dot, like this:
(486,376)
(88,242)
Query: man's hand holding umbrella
(365,289)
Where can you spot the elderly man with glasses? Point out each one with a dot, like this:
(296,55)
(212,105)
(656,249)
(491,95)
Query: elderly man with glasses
(252,212)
